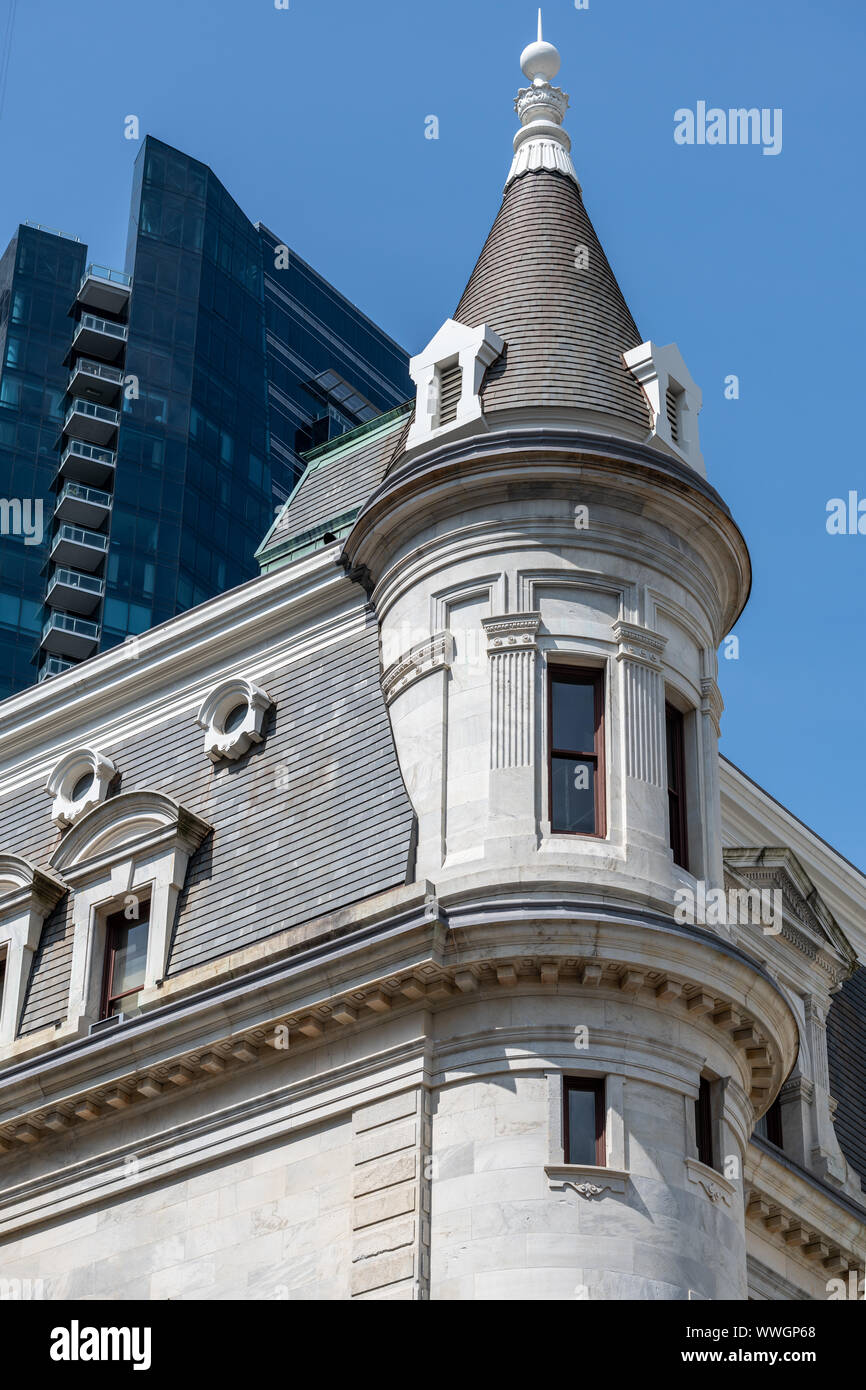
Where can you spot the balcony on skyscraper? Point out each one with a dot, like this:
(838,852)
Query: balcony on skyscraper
(65,635)
(85,463)
(74,592)
(95,381)
(104,290)
(83,506)
(80,548)
(97,424)
(99,337)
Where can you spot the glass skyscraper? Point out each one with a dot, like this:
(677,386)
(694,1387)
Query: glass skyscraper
(160,413)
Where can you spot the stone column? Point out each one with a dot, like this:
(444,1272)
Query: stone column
(712,706)
(513,651)
(639,657)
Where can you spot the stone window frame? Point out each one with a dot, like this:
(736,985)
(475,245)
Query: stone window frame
(576,673)
(222,743)
(135,846)
(574,654)
(67,808)
(27,897)
(589,1180)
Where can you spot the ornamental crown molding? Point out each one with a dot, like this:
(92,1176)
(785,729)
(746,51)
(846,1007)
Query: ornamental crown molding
(512,632)
(434,654)
(712,702)
(639,644)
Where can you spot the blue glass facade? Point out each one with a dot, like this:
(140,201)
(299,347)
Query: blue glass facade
(193,490)
(329,367)
(39,276)
(238,357)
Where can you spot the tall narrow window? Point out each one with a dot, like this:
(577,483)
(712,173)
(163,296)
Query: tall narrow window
(576,723)
(770,1124)
(583,1122)
(704,1123)
(2,980)
(676,761)
(125,960)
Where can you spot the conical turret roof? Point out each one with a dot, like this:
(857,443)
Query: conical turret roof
(543,282)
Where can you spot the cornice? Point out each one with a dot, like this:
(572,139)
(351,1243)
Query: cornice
(551,455)
(215,632)
(797,1212)
(422,952)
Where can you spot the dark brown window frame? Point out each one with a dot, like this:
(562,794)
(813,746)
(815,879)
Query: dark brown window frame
(579,675)
(117,921)
(704,1123)
(585,1083)
(678,830)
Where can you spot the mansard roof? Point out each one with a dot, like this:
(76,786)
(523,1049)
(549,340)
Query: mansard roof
(337,481)
(545,284)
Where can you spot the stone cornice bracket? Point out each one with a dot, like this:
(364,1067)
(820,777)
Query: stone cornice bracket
(27,896)
(233,718)
(434,654)
(78,782)
(639,644)
(712,703)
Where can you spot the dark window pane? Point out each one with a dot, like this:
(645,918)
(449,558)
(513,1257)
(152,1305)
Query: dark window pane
(581,1126)
(573,716)
(573,796)
(704,1123)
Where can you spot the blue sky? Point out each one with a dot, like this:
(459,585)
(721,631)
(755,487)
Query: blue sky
(314,119)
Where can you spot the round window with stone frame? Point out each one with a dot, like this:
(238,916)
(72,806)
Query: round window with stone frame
(233,718)
(78,782)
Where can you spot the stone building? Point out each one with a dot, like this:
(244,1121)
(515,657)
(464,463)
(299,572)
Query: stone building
(390,926)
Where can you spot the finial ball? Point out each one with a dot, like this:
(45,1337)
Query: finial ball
(540,61)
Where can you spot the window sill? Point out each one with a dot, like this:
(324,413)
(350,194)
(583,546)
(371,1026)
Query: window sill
(586,1180)
(717,1187)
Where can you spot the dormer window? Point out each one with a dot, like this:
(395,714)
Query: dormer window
(449,374)
(126,863)
(126,941)
(673,397)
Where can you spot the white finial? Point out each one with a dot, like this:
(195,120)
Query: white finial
(541,142)
(540,61)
